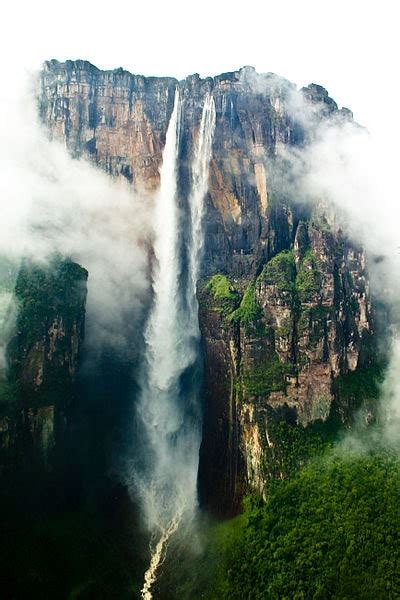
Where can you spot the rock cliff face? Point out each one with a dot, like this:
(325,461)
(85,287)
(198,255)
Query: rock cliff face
(274,349)
(43,360)
(285,309)
(119,121)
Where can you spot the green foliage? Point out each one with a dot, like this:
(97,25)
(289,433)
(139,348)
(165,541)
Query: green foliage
(293,446)
(265,378)
(308,279)
(280,271)
(330,532)
(200,554)
(249,311)
(46,291)
(359,385)
(227,298)
(284,330)
(220,287)
(223,292)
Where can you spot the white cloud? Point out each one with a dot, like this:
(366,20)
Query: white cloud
(52,203)
(345,166)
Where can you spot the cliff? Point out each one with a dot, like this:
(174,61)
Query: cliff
(284,303)
(275,350)
(43,360)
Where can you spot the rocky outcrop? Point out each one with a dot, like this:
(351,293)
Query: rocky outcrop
(274,347)
(43,360)
(285,309)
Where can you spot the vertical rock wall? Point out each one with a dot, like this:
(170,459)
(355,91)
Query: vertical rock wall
(290,311)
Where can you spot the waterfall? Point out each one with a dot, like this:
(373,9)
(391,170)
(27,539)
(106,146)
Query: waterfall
(167,485)
(200,169)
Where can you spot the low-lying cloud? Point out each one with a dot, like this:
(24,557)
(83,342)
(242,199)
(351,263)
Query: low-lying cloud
(52,203)
(345,167)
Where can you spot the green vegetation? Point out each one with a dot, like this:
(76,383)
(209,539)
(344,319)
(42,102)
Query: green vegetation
(43,293)
(221,287)
(359,385)
(46,291)
(223,292)
(280,271)
(201,555)
(294,445)
(249,311)
(227,299)
(330,532)
(286,328)
(265,378)
(308,279)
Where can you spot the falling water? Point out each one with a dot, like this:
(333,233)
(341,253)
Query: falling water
(200,168)
(168,484)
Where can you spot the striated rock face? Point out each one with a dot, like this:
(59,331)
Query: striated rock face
(119,121)
(116,118)
(285,310)
(221,480)
(273,351)
(43,361)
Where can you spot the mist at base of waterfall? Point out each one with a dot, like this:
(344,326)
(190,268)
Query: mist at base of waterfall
(168,413)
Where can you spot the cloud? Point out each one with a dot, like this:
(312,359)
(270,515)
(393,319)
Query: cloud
(346,169)
(345,166)
(53,203)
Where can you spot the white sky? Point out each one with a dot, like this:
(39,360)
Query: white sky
(350,47)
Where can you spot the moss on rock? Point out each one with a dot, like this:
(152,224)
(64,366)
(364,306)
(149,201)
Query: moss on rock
(280,271)
(249,311)
(309,278)
(223,292)
(264,378)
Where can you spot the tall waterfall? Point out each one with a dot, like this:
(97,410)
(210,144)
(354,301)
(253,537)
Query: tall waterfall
(200,168)
(167,485)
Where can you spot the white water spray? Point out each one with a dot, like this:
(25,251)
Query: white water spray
(168,485)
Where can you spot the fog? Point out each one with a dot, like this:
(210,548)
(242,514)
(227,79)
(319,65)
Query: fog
(346,167)
(52,203)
